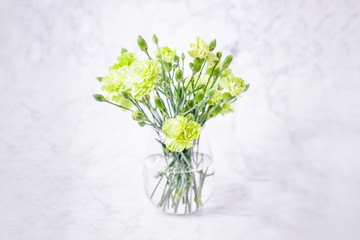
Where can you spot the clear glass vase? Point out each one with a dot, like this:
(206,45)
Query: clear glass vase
(179,182)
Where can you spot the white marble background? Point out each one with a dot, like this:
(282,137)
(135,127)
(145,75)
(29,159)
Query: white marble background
(287,161)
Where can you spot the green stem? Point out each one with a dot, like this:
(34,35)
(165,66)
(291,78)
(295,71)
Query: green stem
(119,106)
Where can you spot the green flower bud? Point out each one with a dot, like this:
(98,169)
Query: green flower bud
(99,79)
(178,74)
(176,59)
(155,39)
(159,103)
(183,56)
(227,97)
(197,64)
(227,61)
(219,55)
(191,65)
(123,50)
(137,116)
(212,45)
(167,66)
(142,44)
(199,96)
(141,124)
(99,97)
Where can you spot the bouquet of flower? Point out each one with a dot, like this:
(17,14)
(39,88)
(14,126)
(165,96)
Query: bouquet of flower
(160,93)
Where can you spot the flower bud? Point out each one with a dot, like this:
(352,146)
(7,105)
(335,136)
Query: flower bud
(227,61)
(191,65)
(199,96)
(197,64)
(159,103)
(227,97)
(212,45)
(142,44)
(167,66)
(219,55)
(99,97)
(178,74)
(99,79)
(155,39)
(137,116)
(123,50)
(141,124)
(183,56)
(176,59)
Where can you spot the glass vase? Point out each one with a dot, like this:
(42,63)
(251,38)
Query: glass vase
(179,182)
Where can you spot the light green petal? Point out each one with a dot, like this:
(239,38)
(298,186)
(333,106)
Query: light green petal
(171,127)
(166,54)
(200,49)
(173,145)
(226,108)
(234,85)
(211,59)
(143,77)
(180,133)
(114,83)
(125,59)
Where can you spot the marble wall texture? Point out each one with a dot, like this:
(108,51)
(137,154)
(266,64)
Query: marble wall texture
(287,161)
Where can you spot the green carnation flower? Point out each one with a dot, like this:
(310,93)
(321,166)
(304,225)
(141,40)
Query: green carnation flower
(200,49)
(114,84)
(180,133)
(234,85)
(125,59)
(143,77)
(166,54)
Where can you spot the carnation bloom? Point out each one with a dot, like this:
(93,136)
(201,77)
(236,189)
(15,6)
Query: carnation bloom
(166,54)
(143,77)
(180,133)
(234,85)
(125,59)
(113,85)
(200,49)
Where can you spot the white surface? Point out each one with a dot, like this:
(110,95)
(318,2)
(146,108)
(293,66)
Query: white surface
(287,162)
